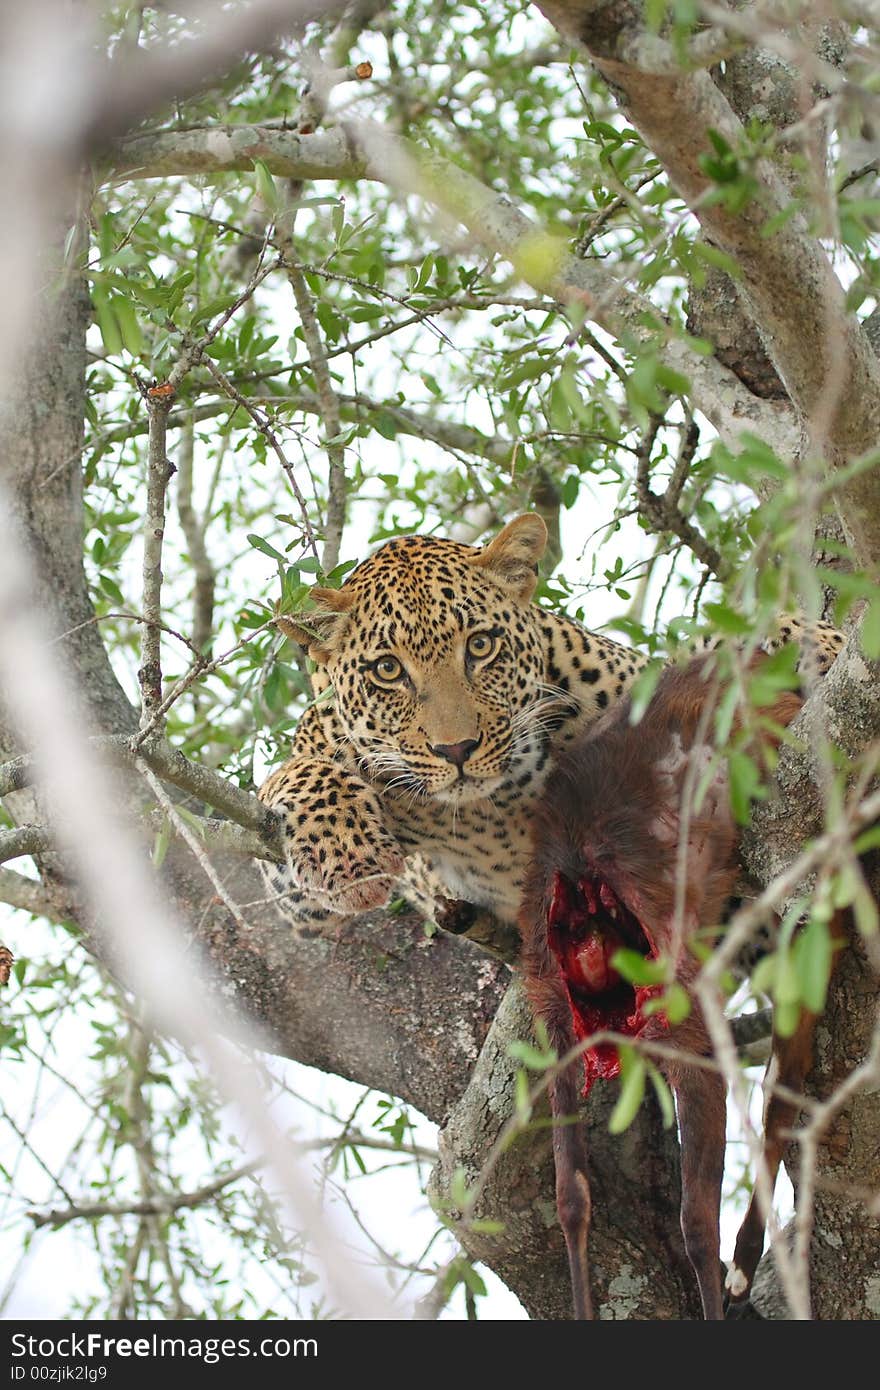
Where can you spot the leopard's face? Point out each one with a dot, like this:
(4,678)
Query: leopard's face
(437,665)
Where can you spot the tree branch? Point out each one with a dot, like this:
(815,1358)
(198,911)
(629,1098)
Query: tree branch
(130,88)
(32,896)
(328,402)
(368,151)
(159,473)
(662,512)
(172,766)
(817,346)
(25,839)
(194,529)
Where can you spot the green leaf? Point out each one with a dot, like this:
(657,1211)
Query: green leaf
(459,1192)
(777,673)
(813,953)
(266,549)
(727,619)
(745,784)
(112,589)
(787,989)
(487,1227)
(865,911)
(472,1279)
(869,634)
(522,1103)
(869,839)
(266,186)
(385,424)
(192,820)
(632,1090)
(160,845)
(664,1096)
(714,256)
(674,1002)
(763,976)
(530,1056)
(10,1037)
(643,687)
(638,970)
(132,337)
(111,335)
(785,1019)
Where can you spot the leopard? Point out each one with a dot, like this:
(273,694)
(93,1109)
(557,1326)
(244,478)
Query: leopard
(443,696)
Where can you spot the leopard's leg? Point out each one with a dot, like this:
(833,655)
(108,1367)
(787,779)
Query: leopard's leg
(340,856)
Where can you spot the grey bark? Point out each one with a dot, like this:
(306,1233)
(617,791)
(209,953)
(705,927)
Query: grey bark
(764,87)
(638,1265)
(845,1251)
(819,349)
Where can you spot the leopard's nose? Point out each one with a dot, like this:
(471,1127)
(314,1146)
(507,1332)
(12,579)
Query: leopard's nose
(457,753)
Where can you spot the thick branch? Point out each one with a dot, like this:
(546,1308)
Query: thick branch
(845,708)
(638,1262)
(132,87)
(172,766)
(31,896)
(24,839)
(817,346)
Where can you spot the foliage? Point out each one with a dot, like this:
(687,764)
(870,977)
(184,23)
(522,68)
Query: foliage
(463,396)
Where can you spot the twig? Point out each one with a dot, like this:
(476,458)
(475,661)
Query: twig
(662,513)
(161,1204)
(194,529)
(201,666)
(219,837)
(262,423)
(327,400)
(26,1144)
(872,167)
(119,1308)
(187,835)
(159,472)
(600,217)
(158,1204)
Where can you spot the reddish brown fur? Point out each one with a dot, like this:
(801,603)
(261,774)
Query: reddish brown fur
(612,809)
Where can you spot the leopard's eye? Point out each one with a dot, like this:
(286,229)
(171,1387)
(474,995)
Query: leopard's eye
(481,645)
(387,670)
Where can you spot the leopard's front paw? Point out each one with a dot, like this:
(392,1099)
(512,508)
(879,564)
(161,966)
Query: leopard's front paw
(348,879)
(340,857)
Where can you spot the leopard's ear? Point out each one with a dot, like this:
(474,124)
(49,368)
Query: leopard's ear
(321,630)
(512,558)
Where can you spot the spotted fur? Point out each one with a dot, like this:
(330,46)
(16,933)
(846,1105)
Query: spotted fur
(451,695)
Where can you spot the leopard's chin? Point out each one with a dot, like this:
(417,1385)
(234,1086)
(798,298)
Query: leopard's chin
(466,789)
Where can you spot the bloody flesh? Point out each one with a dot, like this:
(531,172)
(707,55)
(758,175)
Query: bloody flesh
(587,924)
